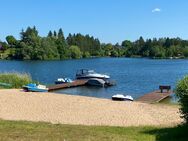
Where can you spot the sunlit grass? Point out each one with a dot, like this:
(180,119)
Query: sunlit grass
(22,130)
(14,80)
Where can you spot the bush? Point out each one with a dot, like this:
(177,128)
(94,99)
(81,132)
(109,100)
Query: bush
(75,52)
(182,93)
(86,54)
(14,80)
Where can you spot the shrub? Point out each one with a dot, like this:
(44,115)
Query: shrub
(182,93)
(75,52)
(86,54)
(16,80)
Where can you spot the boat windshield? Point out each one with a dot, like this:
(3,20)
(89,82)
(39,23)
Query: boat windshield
(91,71)
(85,71)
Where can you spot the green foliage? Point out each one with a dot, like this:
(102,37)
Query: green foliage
(75,52)
(178,133)
(185,51)
(86,54)
(3,46)
(127,44)
(11,40)
(107,49)
(182,93)
(85,43)
(16,80)
(114,53)
(55,46)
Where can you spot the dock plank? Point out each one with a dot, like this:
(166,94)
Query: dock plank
(154,97)
(75,83)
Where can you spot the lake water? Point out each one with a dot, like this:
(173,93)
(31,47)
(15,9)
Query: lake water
(133,76)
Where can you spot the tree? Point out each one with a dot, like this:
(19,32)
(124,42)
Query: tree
(75,52)
(114,53)
(55,46)
(11,40)
(85,43)
(55,34)
(185,51)
(62,45)
(127,44)
(48,50)
(86,54)
(108,48)
(167,43)
(60,34)
(30,36)
(3,46)
(50,34)
(182,93)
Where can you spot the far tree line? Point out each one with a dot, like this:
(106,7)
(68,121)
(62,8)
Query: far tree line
(55,46)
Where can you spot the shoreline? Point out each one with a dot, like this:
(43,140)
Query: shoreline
(80,110)
(96,57)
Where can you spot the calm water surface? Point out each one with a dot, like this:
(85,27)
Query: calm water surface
(133,76)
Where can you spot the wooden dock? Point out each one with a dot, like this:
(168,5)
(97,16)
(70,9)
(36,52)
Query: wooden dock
(154,97)
(75,83)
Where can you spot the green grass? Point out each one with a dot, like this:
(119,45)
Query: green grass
(16,80)
(21,130)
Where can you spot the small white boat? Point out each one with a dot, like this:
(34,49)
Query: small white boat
(63,80)
(35,88)
(121,97)
(96,82)
(86,74)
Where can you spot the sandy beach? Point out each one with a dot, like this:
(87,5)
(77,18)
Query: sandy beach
(67,109)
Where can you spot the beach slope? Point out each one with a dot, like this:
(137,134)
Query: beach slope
(67,109)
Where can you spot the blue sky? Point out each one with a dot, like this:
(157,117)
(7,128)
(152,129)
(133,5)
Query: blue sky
(109,20)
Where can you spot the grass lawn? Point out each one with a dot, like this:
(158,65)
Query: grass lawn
(21,130)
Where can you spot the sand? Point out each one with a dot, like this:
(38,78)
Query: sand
(67,109)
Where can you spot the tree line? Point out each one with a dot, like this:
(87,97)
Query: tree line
(55,46)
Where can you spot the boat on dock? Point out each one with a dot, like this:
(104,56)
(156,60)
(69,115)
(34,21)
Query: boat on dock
(109,82)
(87,74)
(35,88)
(96,82)
(121,97)
(100,82)
(63,80)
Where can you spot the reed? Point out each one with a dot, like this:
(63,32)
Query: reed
(14,80)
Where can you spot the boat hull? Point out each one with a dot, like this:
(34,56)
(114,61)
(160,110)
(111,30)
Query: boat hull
(122,98)
(35,88)
(118,99)
(96,82)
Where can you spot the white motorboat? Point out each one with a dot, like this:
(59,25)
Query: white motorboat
(96,82)
(35,88)
(86,74)
(63,80)
(121,97)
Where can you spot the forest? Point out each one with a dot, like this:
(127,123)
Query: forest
(55,46)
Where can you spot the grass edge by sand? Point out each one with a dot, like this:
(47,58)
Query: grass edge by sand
(24,130)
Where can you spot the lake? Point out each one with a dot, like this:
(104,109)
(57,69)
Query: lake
(134,76)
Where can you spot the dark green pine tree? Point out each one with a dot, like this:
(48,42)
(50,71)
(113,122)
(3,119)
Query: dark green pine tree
(55,34)
(60,34)
(50,34)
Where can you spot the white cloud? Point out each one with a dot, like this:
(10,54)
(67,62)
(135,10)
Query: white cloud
(156,10)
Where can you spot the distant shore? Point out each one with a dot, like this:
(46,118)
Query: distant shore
(66,109)
(91,57)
